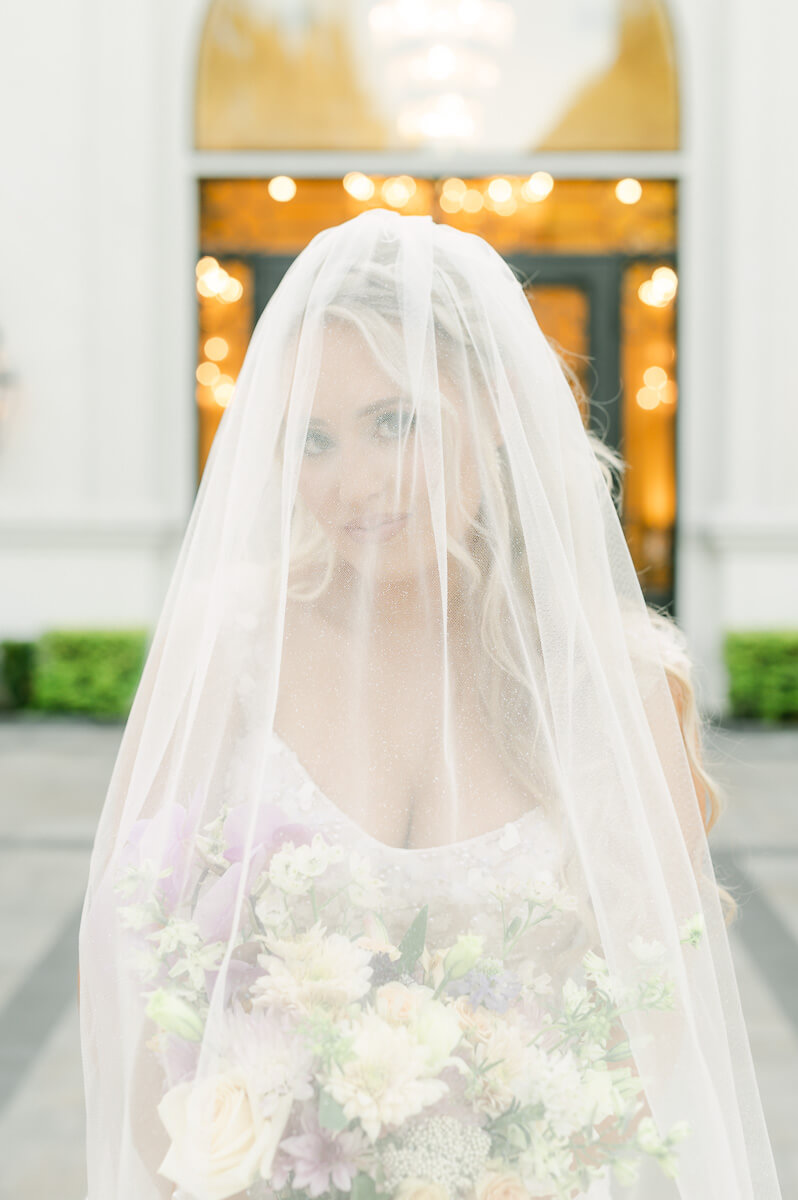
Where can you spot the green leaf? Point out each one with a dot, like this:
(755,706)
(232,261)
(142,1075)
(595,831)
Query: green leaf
(412,944)
(331,1114)
(513,927)
(363,1187)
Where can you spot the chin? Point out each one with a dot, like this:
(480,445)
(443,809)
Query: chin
(387,563)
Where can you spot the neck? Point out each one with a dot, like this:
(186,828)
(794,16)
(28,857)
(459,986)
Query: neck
(410,606)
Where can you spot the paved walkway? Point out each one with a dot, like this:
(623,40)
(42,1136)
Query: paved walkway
(53,777)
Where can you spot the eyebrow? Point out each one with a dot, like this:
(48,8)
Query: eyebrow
(388,402)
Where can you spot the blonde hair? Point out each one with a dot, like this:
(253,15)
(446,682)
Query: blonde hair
(368,304)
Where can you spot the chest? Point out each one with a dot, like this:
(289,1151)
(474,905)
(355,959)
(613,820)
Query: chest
(370,733)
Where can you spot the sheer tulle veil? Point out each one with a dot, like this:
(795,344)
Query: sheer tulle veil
(402,883)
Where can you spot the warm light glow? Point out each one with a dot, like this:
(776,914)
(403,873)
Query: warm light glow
(450,204)
(454,188)
(223,390)
(666,279)
(652,296)
(213,281)
(282,188)
(485,20)
(507,207)
(669,392)
(447,116)
(207,373)
(472,200)
(206,264)
(647,398)
(440,62)
(232,291)
(537,187)
(655,377)
(216,348)
(628,191)
(500,190)
(358,185)
(397,190)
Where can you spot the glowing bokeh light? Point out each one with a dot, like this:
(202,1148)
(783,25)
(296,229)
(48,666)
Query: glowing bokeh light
(216,348)
(207,373)
(223,390)
(655,377)
(282,188)
(232,291)
(358,185)
(500,190)
(473,200)
(537,187)
(628,191)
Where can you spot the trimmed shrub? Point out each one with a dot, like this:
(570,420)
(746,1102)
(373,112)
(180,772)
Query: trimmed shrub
(16,670)
(88,671)
(763,674)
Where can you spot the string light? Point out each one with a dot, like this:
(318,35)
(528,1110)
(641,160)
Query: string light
(628,191)
(216,348)
(282,188)
(358,185)
(537,187)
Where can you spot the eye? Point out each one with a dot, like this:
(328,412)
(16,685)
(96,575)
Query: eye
(316,443)
(389,424)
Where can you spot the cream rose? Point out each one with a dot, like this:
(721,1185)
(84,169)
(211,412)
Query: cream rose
(501,1185)
(421,1189)
(479,1023)
(396,1002)
(221,1142)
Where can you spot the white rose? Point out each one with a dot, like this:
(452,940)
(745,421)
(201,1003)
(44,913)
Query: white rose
(421,1189)
(220,1141)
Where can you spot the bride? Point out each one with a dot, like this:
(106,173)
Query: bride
(402,885)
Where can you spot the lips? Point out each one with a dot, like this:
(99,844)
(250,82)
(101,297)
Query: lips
(376,529)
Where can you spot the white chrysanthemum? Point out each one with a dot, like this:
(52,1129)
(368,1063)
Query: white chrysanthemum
(294,868)
(569,1095)
(196,961)
(436,1027)
(176,934)
(646,952)
(313,970)
(693,930)
(271,908)
(497,1058)
(365,890)
(384,1079)
(274,1059)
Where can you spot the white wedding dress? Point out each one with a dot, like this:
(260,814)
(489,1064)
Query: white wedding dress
(457,882)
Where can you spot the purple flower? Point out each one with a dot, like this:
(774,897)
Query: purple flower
(270,831)
(494,991)
(322,1159)
(165,842)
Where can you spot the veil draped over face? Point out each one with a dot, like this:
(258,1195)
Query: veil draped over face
(402,886)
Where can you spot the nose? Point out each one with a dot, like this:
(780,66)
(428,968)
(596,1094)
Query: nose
(364,478)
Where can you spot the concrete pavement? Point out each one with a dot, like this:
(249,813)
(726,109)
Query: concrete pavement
(53,776)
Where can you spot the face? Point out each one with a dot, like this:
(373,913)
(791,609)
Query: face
(362,473)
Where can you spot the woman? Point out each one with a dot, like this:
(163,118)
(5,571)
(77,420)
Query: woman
(402,885)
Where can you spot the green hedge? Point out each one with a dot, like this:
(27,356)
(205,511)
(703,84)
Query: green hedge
(16,671)
(763,674)
(88,671)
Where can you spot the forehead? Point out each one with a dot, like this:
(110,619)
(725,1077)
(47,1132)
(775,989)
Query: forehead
(356,370)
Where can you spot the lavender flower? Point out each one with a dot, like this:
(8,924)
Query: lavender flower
(323,1160)
(494,990)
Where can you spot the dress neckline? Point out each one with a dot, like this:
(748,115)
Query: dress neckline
(511,830)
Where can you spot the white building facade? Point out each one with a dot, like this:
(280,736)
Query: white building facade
(99,234)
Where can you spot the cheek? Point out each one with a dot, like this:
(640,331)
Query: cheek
(315,491)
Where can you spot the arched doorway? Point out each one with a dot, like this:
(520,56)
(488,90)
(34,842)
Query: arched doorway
(597,248)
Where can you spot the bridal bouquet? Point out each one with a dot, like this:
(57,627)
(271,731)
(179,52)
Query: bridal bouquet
(344,1059)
